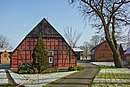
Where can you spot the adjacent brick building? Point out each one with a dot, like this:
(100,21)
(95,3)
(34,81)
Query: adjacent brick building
(5,56)
(127,55)
(103,53)
(79,53)
(60,53)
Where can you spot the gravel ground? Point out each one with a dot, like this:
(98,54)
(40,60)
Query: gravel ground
(3,78)
(37,80)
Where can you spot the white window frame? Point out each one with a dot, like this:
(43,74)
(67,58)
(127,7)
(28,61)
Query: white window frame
(51,59)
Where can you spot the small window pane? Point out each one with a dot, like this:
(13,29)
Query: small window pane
(50,59)
(5,55)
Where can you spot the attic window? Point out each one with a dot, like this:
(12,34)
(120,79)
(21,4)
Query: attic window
(105,45)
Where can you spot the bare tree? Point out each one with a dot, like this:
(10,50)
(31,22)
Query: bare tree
(87,46)
(86,49)
(4,43)
(95,40)
(72,36)
(108,16)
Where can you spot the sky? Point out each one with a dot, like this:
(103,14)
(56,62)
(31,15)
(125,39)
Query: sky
(19,17)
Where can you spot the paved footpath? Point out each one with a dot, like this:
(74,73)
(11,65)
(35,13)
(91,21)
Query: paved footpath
(80,79)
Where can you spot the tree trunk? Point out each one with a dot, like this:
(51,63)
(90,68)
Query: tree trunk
(39,70)
(117,59)
(116,54)
(114,48)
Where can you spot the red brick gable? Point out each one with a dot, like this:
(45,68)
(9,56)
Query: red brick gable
(103,52)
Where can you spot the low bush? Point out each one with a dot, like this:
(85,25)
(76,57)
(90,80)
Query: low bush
(80,68)
(25,68)
(74,68)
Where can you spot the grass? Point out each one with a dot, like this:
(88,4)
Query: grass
(113,77)
(10,83)
(105,66)
(53,70)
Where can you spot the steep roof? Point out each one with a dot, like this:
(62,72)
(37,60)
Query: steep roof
(77,50)
(124,46)
(127,51)
(6,50)
(45,28)
(96,47)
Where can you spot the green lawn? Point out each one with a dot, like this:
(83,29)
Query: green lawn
(112,77)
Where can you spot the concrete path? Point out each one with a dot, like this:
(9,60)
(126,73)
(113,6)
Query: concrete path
(80,79)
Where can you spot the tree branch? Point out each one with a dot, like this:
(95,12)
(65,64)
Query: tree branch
(96,11)
(115,9)
(127,22)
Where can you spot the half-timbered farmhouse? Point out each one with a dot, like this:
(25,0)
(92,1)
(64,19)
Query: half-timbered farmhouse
(60,53)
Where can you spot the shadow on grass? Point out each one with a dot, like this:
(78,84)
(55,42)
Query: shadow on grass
(9,85)
(11,82)
(120,83)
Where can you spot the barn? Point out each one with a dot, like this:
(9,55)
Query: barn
(60,53)
(103,53)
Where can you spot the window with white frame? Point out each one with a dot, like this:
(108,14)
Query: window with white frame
(50,59)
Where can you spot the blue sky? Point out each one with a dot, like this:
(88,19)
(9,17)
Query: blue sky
(18,17)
